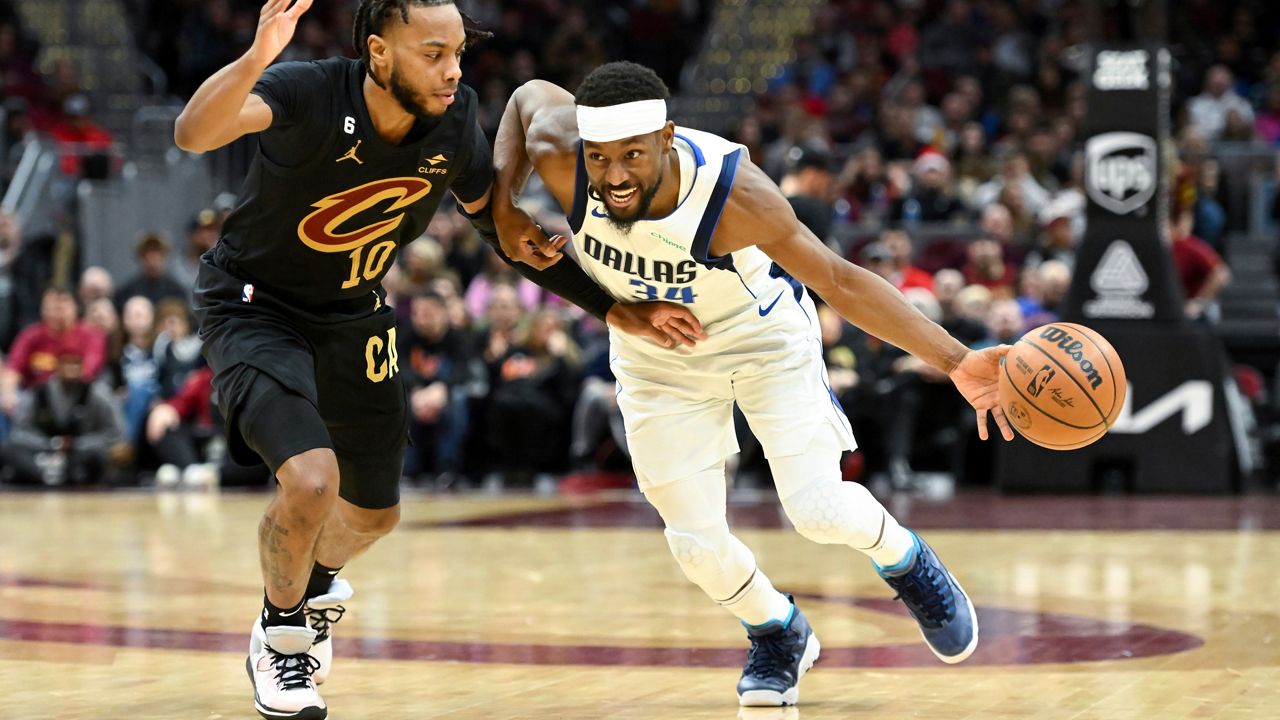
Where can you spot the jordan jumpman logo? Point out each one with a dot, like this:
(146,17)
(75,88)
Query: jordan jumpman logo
(351,154)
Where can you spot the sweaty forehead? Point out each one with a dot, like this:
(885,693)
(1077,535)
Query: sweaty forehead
(428,26)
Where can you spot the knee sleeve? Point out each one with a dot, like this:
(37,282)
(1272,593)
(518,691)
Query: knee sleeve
(713,559)
(832,512)
(822,507)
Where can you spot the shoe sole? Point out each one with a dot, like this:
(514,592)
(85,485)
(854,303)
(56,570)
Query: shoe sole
(973,642)
(770,698)
(306,713)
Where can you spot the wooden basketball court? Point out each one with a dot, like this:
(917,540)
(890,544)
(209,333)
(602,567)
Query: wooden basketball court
(138,605)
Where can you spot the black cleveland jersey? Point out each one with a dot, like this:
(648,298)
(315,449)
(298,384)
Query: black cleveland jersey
(327,203)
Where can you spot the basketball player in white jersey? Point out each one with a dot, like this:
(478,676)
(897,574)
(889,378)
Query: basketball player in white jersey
(669,213)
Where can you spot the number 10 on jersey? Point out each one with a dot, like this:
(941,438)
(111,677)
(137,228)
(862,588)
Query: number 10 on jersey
(675,293)
(368,265)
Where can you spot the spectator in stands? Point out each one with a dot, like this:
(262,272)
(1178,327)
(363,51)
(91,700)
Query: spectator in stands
(153,280)
(1201,271)
(929,199)
(65,429)
(903,273)
(807,185)
(177,349)
(88,149)
(875,257)
(10,247)
(996,223)
(973,302)
(497,272)
(1004,323)
(1057,237)
(1209,110)
(1210,218)
(101,314)
(438,372)
(139,367)
(36,350)
(1267,124)
(1014,171)
(947,285)
(179,430)
(974,165)
(950,43)
(1043,289)
(202,235)
(866,187)
(596,416)
(573,48)
(531,403)
(18,130)
(421,261)
(95,283)
(987,267)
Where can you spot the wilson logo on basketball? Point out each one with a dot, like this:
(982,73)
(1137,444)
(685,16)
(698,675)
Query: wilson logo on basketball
(319,230)
(1073,349)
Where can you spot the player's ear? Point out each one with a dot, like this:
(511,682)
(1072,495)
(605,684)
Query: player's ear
(378,50)
(667,135)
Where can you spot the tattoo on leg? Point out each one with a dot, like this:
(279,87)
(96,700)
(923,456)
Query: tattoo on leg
(272,539)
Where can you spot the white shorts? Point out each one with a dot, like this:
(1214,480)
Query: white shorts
(679,414)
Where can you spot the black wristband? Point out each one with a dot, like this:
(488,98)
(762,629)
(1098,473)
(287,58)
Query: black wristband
(566,278)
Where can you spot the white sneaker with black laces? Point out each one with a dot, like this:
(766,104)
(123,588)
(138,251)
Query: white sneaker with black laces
(322,612)
(280,669)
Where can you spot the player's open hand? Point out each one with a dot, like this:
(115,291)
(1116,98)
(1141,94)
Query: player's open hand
(524,241)
(977,378)
(276,23)
(667,324)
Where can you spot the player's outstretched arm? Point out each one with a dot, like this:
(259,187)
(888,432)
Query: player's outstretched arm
(758,214)
(222,108)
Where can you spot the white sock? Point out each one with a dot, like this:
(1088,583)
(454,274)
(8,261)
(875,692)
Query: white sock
(757,602)
(894,545)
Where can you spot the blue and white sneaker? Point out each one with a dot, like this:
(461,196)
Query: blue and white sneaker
(781,653)
(943,609)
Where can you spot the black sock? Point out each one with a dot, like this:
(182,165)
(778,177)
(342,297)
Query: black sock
(321,577)
(272,615)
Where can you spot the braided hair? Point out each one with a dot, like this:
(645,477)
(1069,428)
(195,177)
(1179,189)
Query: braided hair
(372,16)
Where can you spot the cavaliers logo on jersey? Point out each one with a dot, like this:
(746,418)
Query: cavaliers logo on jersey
(319,230)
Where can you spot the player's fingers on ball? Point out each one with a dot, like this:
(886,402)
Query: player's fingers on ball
(1003,422)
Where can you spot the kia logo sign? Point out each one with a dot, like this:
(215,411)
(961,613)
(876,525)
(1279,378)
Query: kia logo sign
(1120,170)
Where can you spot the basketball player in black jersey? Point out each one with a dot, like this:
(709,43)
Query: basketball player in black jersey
(354,157)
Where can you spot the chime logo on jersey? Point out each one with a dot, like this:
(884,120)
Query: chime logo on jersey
(319,230)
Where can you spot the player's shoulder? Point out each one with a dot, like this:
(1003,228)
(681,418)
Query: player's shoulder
(312,71)
(709,144)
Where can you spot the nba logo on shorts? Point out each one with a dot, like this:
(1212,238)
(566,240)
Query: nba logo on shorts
(246,295)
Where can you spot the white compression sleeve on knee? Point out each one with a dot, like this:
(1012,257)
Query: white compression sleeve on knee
(725,569)
(827,510)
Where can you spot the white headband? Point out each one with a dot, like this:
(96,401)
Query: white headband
(615,122)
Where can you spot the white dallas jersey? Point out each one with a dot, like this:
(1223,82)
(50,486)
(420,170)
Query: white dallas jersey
(747,305)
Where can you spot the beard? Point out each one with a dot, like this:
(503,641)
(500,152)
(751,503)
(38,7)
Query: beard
(623,224)
(408,98)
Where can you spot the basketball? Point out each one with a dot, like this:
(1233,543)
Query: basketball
(1062,386)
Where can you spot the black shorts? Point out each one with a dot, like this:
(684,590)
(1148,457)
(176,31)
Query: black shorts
(341,359)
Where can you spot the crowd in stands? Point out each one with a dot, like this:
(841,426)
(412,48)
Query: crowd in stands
(934,142)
